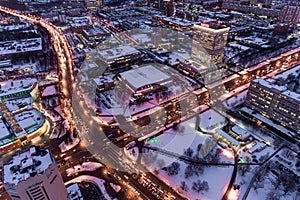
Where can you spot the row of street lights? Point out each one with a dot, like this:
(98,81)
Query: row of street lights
(65,62)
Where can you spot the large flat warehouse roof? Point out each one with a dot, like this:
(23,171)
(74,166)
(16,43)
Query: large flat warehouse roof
(145,75)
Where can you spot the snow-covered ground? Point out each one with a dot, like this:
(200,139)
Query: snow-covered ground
(95,180)
(66,147)
(266,188)
(117,188)
(132,153)
(217,178)
(211,119)
(178,141)
(86,166)
(50,90)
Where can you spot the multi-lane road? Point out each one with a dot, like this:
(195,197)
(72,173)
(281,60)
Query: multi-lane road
(63,53)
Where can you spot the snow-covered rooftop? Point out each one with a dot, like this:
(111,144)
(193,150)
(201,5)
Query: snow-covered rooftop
(13,27)
(3,130)
(239,130)
(18,46)
(227,137)
(254,40)
(29,119)
(48,91)
(13,86)
(95,31)
(26,164)
(79,21)
(103,79)
(176,20)
(285,74)
(268,84)
(145,75)
(291,94)
(257,146)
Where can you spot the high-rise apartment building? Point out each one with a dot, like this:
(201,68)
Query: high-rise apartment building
(33,175)
(209,43)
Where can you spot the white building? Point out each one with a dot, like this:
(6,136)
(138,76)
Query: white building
(33,175)
(145,79)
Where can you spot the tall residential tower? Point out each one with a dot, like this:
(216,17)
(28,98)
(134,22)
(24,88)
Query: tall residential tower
(33,175)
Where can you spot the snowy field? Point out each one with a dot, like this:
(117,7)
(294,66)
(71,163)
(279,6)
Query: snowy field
(211,119)
(86,166)
(216,177)
(178,141)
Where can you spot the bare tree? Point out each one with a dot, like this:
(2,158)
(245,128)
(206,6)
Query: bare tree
(273,195)
(184,186)
(279,180)
(264,157)
(260,176)
(290,183)
(205,186)
(189,171)
(198,169)
(189,152)
(173,169)
(199,186)
(243,168)
(287,153)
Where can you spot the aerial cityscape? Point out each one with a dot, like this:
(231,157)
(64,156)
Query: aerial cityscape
(150,100)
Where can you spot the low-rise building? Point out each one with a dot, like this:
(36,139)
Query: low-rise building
(95,32)
(145,79)
(23,46)
(120,56)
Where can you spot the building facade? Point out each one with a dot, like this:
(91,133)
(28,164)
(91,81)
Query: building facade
(33,175)
(290,14)
(209,43)
(275,103)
